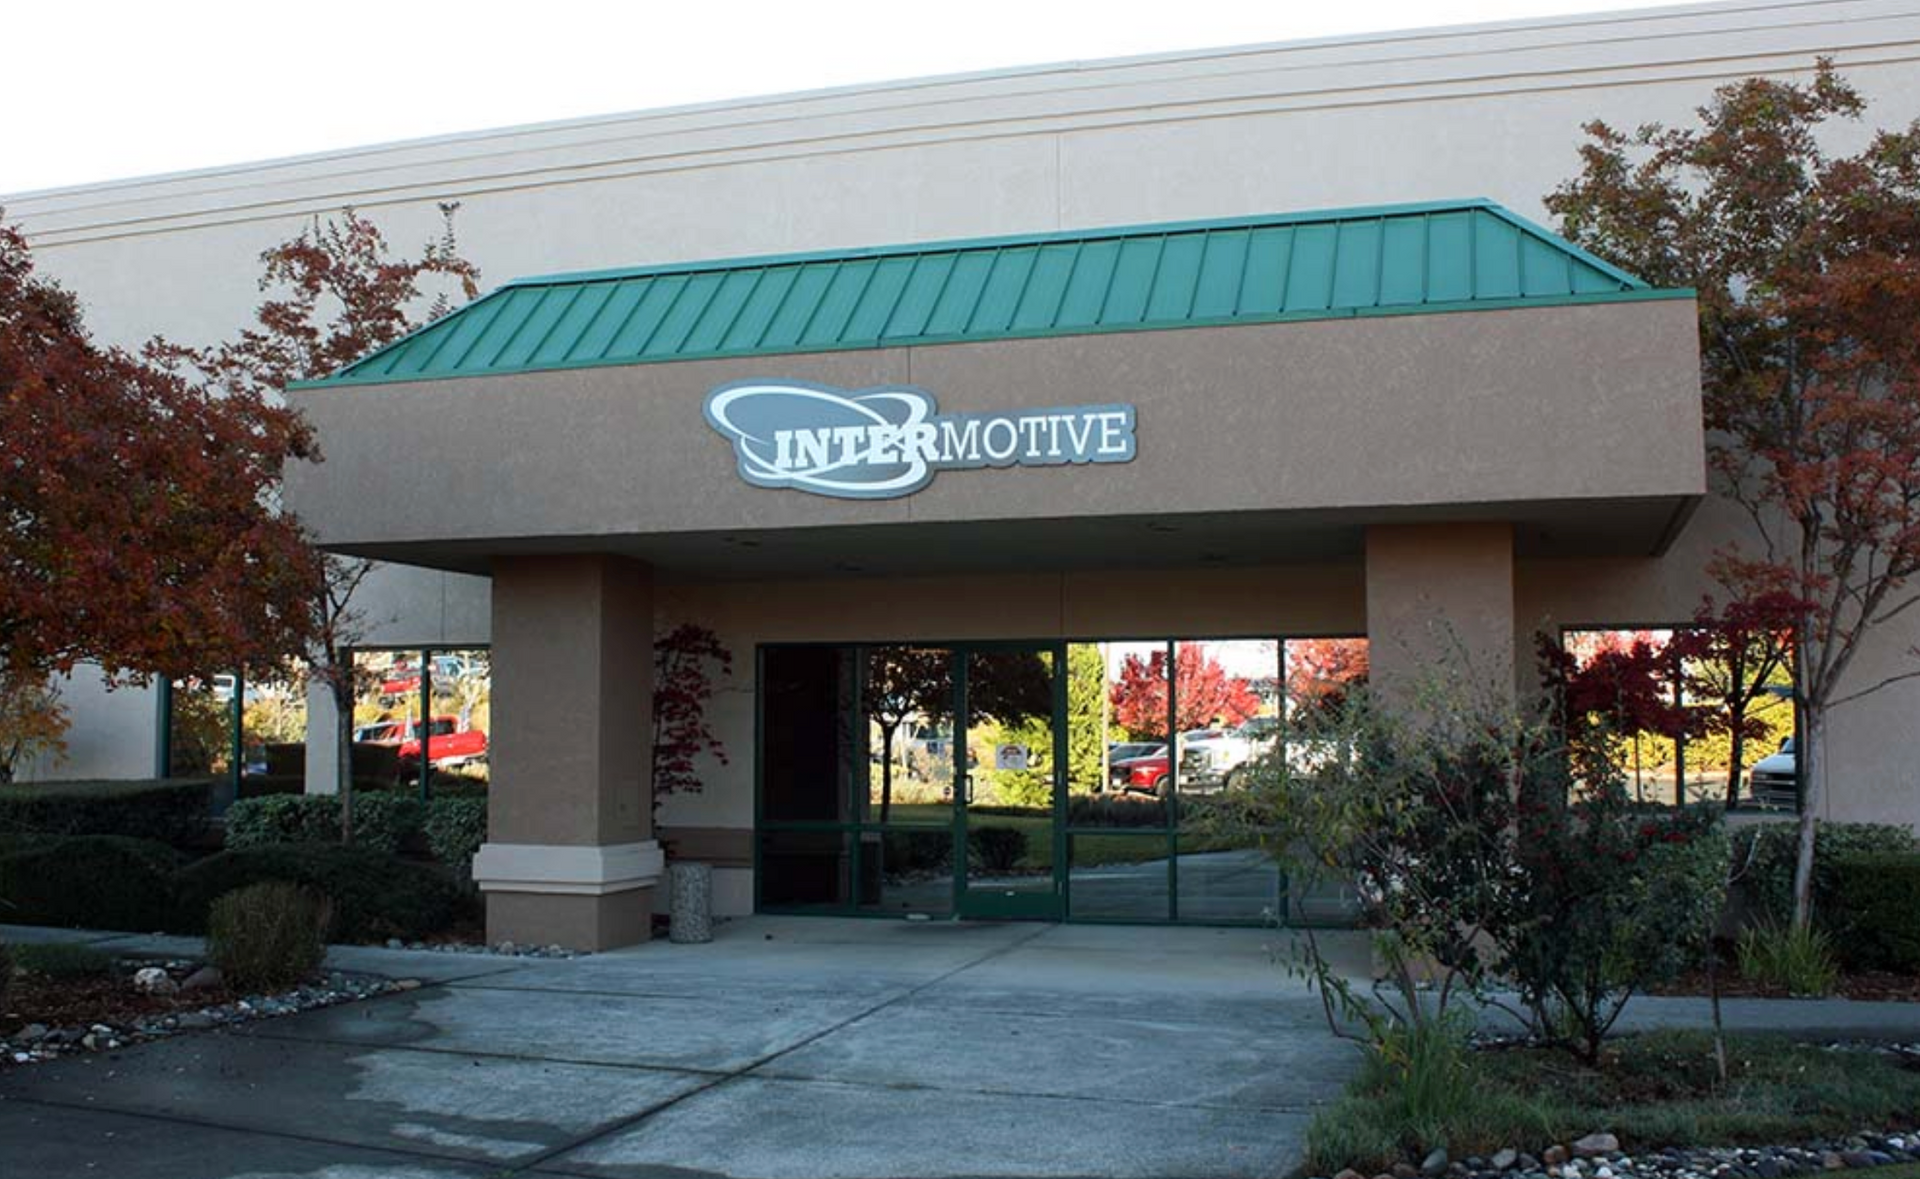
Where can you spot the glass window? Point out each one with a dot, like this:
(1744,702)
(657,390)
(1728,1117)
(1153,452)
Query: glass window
(275,724)
(806,750)
(1119,877)
(905,703)
(1125,726)
(805,869)
(1227,708)
(907,871)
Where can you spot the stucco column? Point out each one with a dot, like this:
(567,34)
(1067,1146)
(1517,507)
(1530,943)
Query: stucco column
(570,857)
(1440,607)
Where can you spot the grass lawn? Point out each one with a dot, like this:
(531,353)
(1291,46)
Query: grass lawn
(1653,1090)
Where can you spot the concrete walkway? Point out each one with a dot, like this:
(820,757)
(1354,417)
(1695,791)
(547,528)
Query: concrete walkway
(787,1048)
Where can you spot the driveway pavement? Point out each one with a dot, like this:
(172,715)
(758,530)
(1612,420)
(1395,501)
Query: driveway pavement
(787,1048)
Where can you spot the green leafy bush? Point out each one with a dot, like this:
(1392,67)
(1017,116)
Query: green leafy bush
(53,960)
(1873,902)
(455,829)
(283,818)
(1797,959)
(172,811)
(996,849)
(381,821)
(374,895)
(6,973)
(1764,854)
(90,882)
(267,935)
(917,851)
(1116,810)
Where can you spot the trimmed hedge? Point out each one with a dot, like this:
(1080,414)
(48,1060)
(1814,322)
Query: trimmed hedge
(1873,904)
(455,829)
(1767,882)
(172,810)
(381,819)
(374,895)
(90,882)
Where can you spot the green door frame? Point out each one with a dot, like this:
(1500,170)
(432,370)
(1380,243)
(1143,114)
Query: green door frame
(969,902)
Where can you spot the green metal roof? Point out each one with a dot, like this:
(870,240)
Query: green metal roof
(1446,256)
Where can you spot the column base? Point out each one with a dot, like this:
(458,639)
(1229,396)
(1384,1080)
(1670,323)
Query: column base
(572,920)
(581,897)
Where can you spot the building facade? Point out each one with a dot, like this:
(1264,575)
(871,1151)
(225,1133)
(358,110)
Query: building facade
(937,402)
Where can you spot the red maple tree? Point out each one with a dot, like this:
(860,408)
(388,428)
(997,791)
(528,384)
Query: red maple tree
(1204,694)
(138,532)
(1807,268)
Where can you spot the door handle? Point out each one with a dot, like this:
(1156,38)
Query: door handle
(969,789)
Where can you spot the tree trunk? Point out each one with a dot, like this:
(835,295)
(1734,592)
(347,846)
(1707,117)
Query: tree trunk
(886,772)
(1808,746)
(342,693)
(1735,760)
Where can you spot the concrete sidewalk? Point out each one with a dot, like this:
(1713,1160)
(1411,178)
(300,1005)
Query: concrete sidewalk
(790,1048)
(787,1048)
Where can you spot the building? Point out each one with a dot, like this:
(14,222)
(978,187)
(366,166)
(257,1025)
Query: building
(922,396)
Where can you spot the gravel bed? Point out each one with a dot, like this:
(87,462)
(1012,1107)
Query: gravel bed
(1598,1156)
(499,949)
(37,1042)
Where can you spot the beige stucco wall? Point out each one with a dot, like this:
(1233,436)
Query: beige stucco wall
(1561,403)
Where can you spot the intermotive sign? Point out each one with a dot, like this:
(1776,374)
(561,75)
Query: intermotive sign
(888,441)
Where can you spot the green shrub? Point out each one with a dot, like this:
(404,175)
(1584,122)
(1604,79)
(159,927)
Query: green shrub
(1765,855)
(917,851)
(172,811)
(283,818)
(90,882)
(6,973)
(56,961)
(1797,959)
(1873,903)
(455,829)
(1116,810)
(374,895)
(996,849)
(268,935)
(380,821)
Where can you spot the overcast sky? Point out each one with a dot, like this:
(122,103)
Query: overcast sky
(95,90)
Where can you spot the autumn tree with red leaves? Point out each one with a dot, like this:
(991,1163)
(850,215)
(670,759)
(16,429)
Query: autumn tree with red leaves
(686,660)
(335,293)
(1204,693)
(1322,672)
(139,533)
(1808,272)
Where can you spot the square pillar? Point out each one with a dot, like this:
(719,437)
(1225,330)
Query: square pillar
(570,857)
(1440,607)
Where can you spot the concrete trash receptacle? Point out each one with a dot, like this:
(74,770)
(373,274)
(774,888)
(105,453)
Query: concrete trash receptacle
(692,911)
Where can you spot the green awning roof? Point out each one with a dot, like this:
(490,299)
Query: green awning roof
(1402,259)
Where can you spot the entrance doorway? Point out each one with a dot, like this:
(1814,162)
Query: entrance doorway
(1039,779)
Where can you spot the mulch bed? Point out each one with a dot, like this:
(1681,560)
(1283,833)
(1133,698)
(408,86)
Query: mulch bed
(111,1000)
(1864,986)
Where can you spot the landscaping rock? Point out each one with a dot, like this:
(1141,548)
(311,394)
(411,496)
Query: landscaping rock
(1594,1145)
(1405,1171)
(1858,1158)
(33,1033)
(1349,1173)
(1554,1155)
(152,980)
(206,978)
(1434,1163)
(1504,1160)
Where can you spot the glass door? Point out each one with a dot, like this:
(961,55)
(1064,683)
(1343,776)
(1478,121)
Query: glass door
(1009,760)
